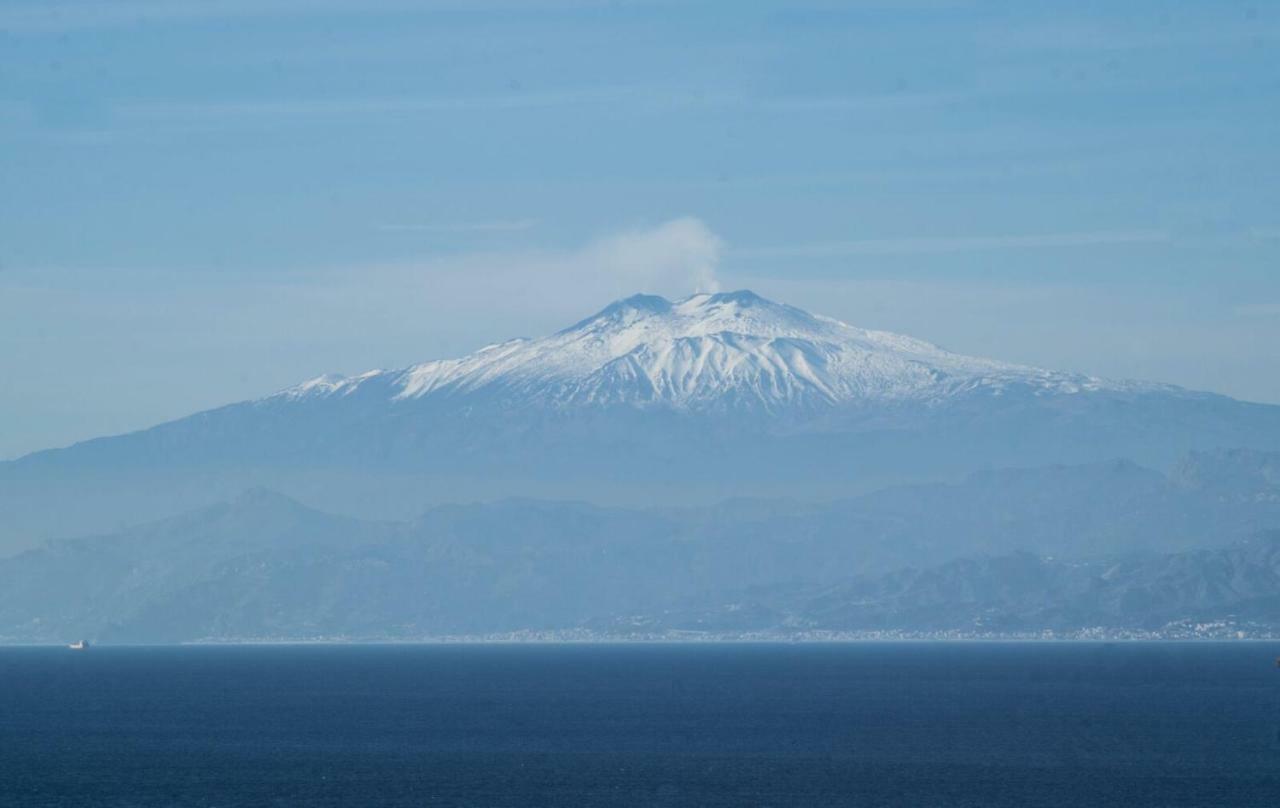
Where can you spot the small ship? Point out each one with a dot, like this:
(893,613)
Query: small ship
(79,645)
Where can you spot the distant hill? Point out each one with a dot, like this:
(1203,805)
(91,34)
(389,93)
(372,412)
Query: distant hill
(1112,543)
(1009,594)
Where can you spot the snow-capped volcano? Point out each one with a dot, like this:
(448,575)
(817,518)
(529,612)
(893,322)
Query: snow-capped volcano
(647,401)
(704,353)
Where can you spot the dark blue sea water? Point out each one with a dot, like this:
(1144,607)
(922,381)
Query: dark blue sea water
(769,725)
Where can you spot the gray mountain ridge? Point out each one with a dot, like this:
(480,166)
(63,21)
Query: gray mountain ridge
(1013,594)
(1007,550)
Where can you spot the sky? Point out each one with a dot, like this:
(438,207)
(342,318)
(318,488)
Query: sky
(202,202)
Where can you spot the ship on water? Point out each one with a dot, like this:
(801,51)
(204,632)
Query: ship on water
(79,645)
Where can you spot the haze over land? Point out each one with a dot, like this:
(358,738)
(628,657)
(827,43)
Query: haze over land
(736,451)
(1106,550)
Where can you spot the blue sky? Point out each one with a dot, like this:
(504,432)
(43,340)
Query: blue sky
(206,201)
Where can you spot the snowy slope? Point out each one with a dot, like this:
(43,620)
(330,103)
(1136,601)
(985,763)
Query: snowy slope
(707,352)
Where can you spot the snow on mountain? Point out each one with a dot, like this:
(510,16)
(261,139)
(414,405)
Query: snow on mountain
(708,352)
(647,401)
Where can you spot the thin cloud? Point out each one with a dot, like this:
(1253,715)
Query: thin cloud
(152,119)
(860,101)
(1258,310)
(149,117)
(165,115)
(933,245)
(319,108)
(513,226)
(48,16)
(673,258)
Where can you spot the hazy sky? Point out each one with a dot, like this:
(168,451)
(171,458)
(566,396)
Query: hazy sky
(206,201)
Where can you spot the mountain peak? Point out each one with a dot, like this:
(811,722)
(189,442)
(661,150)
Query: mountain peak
(655,304)
(695,305)
(627,308)
(705,352)
(742,297)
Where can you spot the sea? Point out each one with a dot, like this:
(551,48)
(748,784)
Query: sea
(857,724)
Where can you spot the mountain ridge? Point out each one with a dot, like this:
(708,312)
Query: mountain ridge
(1116,543)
